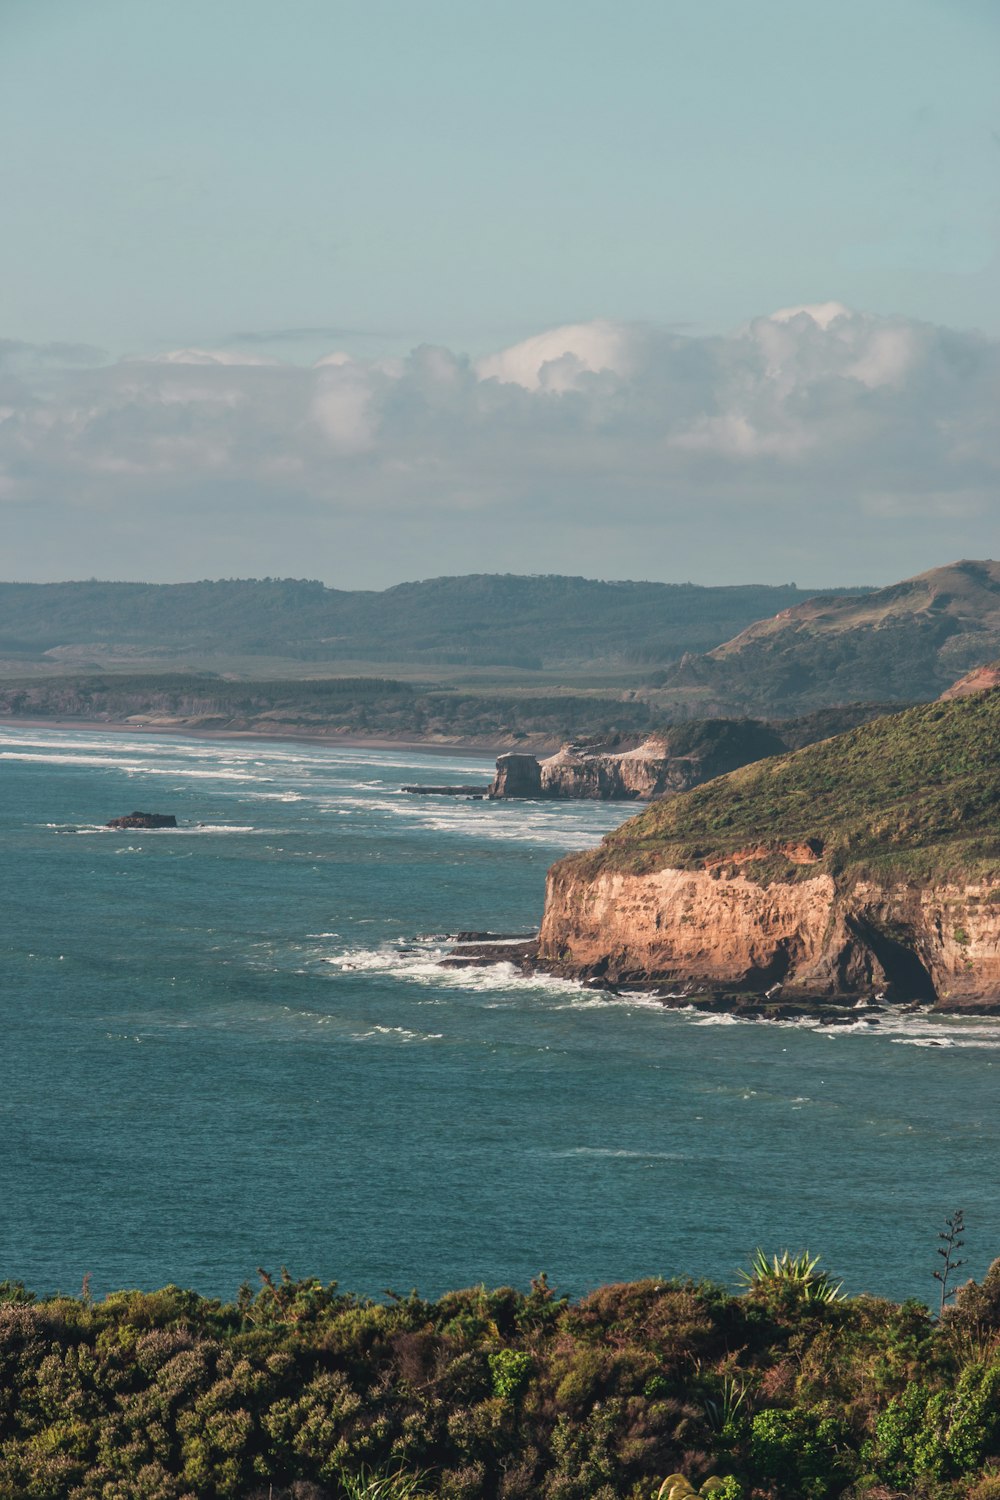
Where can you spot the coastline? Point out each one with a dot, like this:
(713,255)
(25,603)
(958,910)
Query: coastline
(472,749)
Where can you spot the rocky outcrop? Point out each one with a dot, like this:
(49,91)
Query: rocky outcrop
(672,760)
(719,928)
(646,771)
(144,820)
(980,680)
(517,776)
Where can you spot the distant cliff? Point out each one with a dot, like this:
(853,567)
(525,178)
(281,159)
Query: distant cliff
(868,864)
(672,759)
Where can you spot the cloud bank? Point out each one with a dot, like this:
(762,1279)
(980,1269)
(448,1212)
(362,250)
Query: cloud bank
(816,442)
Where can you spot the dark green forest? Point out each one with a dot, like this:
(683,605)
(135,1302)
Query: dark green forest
(482,619)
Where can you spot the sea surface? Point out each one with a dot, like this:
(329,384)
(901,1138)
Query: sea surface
(231,1046)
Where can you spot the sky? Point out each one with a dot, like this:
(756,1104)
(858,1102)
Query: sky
(369,290)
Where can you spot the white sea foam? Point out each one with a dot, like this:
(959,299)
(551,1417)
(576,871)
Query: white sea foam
(421,965)
(617,1153)
(192,831)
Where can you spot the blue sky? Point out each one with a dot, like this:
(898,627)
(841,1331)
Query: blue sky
(288,181)
(471,172)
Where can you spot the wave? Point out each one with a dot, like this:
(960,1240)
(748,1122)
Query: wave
(194,831)
(131,768)
(420,964)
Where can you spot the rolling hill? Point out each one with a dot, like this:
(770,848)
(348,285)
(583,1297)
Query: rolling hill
(480,620)
(905,642)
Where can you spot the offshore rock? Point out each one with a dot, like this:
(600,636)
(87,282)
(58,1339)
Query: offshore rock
(517,775)
(143,820)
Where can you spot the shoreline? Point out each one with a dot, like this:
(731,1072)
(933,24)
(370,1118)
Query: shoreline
(469,749)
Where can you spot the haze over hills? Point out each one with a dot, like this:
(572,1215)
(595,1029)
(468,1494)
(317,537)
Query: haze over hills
(905,642)
(477,620)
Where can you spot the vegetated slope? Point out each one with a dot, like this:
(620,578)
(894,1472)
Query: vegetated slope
(480,619)
(918,790)
(303,1392)
(348,705)
(908,641)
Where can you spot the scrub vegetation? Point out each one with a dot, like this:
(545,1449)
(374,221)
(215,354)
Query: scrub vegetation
(384,707)
(914,794)
(786,1391)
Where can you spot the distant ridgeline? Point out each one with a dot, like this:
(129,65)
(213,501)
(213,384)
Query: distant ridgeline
(482,619)
(909,641)
(688,652)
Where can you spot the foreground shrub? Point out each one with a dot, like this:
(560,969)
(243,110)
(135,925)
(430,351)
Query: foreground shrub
(299,1392)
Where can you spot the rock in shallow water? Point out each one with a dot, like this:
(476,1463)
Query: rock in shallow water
(143,820)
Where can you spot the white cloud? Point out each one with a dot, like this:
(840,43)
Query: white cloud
(821,313)
(801,430)
(553,360)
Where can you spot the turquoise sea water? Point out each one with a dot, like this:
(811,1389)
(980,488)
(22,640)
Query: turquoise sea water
(230,1046)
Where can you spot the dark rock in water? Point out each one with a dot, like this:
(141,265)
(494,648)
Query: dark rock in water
(144,820)
(470,793)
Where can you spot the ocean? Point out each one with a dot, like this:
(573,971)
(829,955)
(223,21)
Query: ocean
(230,1046)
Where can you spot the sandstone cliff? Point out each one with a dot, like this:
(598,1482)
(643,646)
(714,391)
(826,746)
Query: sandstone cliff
(706,930)
(866,865)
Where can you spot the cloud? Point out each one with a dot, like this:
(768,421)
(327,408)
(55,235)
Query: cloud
(551,361)
(815,432)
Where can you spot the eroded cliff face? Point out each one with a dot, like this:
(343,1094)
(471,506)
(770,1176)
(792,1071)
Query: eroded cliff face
(720,929)
(576,771)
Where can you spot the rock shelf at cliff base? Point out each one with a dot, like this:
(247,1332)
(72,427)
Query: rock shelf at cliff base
(864,869)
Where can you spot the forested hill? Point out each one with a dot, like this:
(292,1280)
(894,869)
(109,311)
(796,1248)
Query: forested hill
(482,619)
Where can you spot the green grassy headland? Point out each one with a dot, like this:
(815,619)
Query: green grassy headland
(916,793)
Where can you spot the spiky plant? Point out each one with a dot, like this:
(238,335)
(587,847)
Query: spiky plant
(370,1485)
(799,1273)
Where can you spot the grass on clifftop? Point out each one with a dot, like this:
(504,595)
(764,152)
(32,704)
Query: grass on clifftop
(917,793)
